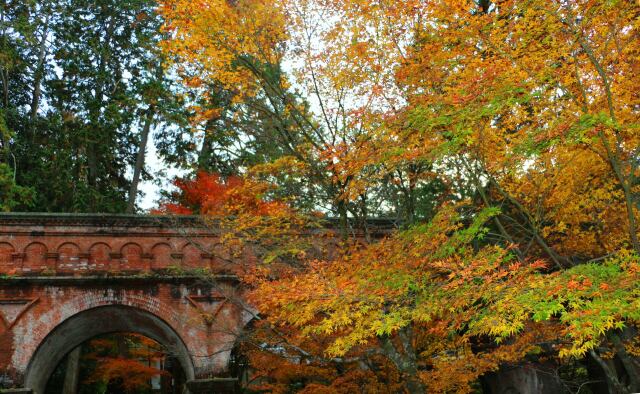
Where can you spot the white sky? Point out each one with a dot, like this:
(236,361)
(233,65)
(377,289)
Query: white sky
(153,164)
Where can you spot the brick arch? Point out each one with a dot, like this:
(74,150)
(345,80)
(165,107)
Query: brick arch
(6,258)
(38,326)
(35,257)
(100,256)
(100,320)
(131,257)
(69,257)
(162,254)
(178,307)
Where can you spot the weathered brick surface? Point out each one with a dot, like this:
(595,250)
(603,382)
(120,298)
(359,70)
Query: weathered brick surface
(59,270)
(89,245)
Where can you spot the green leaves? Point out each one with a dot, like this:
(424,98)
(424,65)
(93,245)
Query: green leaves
(583,131)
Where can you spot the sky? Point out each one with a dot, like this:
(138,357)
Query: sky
(152,188)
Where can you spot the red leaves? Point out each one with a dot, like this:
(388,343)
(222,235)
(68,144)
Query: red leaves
(207,191)
(212,195)
(132,369)
(133,374)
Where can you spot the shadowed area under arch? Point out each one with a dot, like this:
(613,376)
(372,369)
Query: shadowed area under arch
(97,321)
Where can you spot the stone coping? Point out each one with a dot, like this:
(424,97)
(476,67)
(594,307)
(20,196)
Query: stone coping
(144,220)
(96,219)
(102,279)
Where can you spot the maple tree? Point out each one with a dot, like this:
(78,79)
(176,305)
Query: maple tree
(244,46)
(124,360)
(521,118)
(117,363)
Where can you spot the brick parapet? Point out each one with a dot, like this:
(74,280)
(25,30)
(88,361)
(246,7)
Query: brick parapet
(63,245)
(97,244)
(66,278)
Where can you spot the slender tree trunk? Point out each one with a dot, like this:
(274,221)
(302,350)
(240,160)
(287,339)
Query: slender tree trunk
(73,370)
(204,156)
(4,74)
(140,158)
(344,220)
(39,73)
(614,384)
(97,129)
(91,140)
(92,163)
(405,360)
(364,215)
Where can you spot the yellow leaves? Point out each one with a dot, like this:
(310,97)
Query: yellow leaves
(374,292)
(561,227)
(284,165)
(506,99)
(220,41)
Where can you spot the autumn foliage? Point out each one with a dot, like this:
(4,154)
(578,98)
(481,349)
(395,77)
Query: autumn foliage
(211,195)
(126,360)
(521,119)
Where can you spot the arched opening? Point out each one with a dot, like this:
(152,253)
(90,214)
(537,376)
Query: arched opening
(118,363)
(94,322)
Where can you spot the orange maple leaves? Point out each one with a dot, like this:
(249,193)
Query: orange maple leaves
(527,106)
(210,194)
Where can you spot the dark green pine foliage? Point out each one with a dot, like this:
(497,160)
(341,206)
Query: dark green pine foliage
(83,79)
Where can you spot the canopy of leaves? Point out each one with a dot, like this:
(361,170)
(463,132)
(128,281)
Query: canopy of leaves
(505,134)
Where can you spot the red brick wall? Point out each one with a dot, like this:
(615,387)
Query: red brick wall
(53,268)
(85,247)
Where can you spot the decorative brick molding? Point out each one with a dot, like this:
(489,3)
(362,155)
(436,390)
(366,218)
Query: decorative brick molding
(44,244)
(65,278)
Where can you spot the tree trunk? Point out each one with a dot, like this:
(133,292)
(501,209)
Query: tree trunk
(5,87)
(344,220)
(39,73)
(204,157)
(627,363)
(92,163)
(405,360)
(140,158)
(615,387)
(73,370)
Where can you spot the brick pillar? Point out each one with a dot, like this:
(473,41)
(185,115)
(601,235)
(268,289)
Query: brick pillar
(71,378)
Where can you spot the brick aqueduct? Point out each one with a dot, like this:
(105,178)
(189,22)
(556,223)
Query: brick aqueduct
(67,278)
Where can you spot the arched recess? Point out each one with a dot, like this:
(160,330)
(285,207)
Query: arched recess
(131,259)
(69,257)
(6,260)
(35,259)
(162,256)
(97,321)
(99,256)
(192,256)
